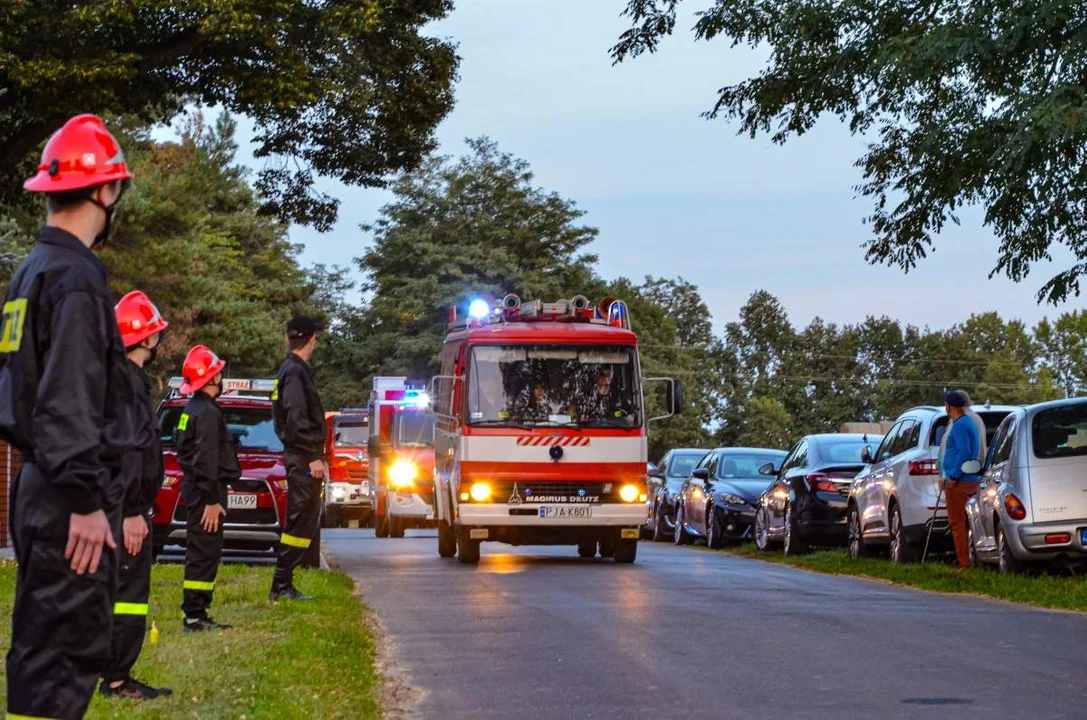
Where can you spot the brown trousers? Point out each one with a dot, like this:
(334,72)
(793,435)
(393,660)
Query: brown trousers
(957,496)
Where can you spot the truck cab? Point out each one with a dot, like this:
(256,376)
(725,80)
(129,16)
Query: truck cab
(542,428)
(401,458)
(348,494)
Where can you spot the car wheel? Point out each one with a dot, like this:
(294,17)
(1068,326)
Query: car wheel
(762,529)
(447,539)
(607,548)
(396,527)
(713,529)
(381,525)
(1008,562)
(586,549)
(856,535)
(660,534)
(467,548)
(791,542)
(680,536)
(900,550)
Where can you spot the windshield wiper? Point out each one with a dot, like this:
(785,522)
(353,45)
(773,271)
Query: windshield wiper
(500,423)
(548,423)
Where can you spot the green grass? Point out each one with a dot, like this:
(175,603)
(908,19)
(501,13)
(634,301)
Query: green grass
(290,660)
(1050,591)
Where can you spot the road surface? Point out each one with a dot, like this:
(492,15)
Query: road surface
(540,633)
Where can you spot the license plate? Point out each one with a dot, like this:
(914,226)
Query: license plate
(562,512)
(246,501)
(1083,537)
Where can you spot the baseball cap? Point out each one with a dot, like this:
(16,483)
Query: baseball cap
(301,326)
(956,399)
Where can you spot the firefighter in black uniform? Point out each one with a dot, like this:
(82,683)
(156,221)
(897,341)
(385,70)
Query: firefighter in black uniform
(141,327)
(206,455)
(63,405)
(300,424)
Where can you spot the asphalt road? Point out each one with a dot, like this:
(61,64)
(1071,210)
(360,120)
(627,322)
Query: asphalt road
(539,633)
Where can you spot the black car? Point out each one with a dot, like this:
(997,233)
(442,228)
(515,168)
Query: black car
(663,486)
(806,503)
(718,501)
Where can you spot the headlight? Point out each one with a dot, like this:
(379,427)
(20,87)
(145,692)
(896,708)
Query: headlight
(402,474)
(338,493)
(628,493)
(730,499)
(480,491)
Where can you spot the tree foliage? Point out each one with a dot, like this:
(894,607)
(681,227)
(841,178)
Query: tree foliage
(967,102)
(348,89)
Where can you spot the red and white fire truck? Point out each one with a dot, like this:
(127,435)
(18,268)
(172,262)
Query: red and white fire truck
(541,434)
(401,458)
(347,487)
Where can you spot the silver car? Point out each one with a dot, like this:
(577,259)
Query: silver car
(1031,505)
(892,501)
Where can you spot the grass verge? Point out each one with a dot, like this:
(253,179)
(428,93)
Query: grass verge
(289,660)
(1050,591)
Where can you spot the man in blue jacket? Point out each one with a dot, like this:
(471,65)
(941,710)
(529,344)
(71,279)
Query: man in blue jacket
(963,445)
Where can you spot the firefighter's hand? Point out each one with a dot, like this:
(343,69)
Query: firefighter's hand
(317,469)
(210,520)
(135,530)
(87,534)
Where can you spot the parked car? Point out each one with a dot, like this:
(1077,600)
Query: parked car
(663,485)
(806,503)
(1031,506)
(717,502)
(892,500)
(257,502)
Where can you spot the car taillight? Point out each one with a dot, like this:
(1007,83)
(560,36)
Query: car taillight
(1058,539)
(924,467)
(821,483)
(281,484)
(1014,507)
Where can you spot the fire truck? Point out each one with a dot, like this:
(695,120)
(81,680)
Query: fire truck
(541,428)
(257,502)
(347,488)
(401,457)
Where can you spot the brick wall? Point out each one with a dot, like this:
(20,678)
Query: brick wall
(9,466)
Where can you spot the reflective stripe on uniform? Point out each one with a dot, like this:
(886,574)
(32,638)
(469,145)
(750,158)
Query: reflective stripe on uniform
(123,608)
(183,422)
(13,716)
(293,541)
(199,585)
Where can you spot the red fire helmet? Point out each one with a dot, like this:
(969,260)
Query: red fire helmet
(82,154)
(200,367)
(138,318)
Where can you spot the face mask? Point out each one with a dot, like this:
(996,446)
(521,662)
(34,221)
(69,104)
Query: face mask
(102,237)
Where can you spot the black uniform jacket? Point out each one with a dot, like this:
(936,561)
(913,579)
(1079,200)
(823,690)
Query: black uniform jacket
(205,452)
(297,412)
(62,401)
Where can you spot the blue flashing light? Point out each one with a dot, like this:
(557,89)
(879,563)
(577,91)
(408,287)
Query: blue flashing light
(581,492)
(479,309)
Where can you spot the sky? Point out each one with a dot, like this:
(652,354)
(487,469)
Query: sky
(674,194)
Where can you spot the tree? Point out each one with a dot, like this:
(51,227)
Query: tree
(350,90)
(458,228)
(1063,344)
(967,103)
(768,425)
(191,236)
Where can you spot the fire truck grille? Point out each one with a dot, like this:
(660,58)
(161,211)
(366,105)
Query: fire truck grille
(358,474)
(549,491)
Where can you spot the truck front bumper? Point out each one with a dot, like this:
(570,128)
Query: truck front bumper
(538,515)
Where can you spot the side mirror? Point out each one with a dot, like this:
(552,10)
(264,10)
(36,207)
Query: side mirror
(656,473)
(674,396)
(971,467)
(866,455)
(701,474)
(768,469)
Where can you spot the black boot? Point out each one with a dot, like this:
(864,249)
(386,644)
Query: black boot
(202,624)
(134,689)
(288,593)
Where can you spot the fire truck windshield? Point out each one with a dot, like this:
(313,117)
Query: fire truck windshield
(553,386)
(352,434)
(415,429)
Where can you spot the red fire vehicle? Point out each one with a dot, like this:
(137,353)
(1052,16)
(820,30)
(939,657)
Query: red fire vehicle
(541,436)
(348,496)
(257,503)
(401,458)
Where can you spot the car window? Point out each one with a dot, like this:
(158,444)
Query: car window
(1060,432)
(744,464)
(846,451)
(711,464)
(798,457)
(914,438)
(902,440)
(682,465)
(886,448)
(1000,450)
